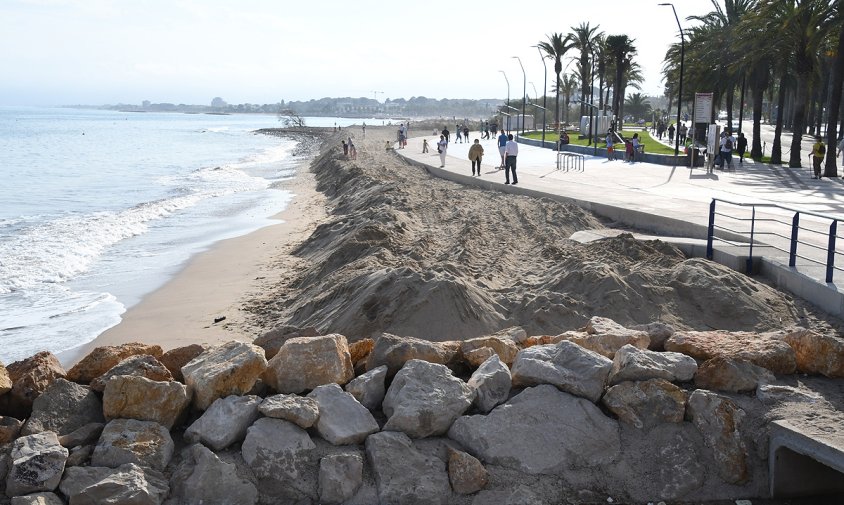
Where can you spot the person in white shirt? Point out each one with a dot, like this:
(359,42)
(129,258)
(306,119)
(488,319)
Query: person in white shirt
(442,145)
(841,149)
(511,150)
(728,143)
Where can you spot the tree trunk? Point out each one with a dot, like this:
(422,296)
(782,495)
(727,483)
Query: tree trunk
(557,104)
(776,148)
(800,99)
(756,149)
(731,91)
(812,104)
(835,105)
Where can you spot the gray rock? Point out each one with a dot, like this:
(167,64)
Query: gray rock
(722,373)
(63,407)
(85,435)
(38,499)
(395,351)
(718,419)
(302,411)
(541,431)
(566,365)
(524,495)
(405,475)
(340,476)
(127,484)
(646,404)
(133,397)
(491,382)
(342,419)
(143,443)
(141,365)
(369,388)
(772,394)
(424,399)
(657,332)
(634,364)
(229,369)
(202,478)
(37,463)
(284,454)
(80,455)
(225,422)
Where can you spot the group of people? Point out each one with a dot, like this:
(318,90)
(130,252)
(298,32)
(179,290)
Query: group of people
(508,148)
(349,150)
(402,136)
(631,146)
(661,130)
(728,144)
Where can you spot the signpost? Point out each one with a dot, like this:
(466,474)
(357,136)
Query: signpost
(703,117)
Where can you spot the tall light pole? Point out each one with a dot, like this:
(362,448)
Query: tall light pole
(524,93)
(508,97)
(680,91)
(544,93)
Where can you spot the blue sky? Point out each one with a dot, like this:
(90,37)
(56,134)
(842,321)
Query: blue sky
(189,51)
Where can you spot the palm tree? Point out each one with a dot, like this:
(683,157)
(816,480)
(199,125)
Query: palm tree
(621,50)
(637,105)
(555,48)
(583,39)
(831,169)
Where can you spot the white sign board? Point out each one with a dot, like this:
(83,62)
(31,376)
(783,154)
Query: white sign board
(703,107)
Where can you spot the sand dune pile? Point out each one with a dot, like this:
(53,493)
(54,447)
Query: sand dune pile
(406,253)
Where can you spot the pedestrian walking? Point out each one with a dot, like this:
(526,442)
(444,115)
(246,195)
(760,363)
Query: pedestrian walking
(817,155)
(741,147)
(728,143)
(671,133)
(446,134)
(442,146)
(684,132)
(424,146)
(502,143)
(476,152)
(353,152)
(635,145)
(459,134)
(610,147)
(345,148)
(511,151)
(466,133)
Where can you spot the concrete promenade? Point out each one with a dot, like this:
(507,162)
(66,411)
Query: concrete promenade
(669,201)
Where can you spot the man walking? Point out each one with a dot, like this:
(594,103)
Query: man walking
(511,150)
(727,143)
(817,155)
(502,142)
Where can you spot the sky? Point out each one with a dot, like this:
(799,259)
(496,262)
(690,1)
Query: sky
(61,52)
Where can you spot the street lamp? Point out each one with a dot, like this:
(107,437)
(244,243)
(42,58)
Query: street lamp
(524,93)
(680,91)
(544,93)
(508,97)
(592,112)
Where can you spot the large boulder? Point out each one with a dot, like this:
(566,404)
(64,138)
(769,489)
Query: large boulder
(127,484)
(735,376)
(767,350)
(272,340)
(646,404)
(658,332)
(10,428)
(37,464)
(816,353)
(342,419)
(634,364)
(175,359)
(131,397)
(228,369)
(541,431)
(395,351)
(466,474)
(38,499)
(369,388)
(143,443)
(225,422)
(5,380)
(718,419)
(773,394)
(360,349)
(142,365)
(505,348)
(605,337)
(491,382)
(103,359)
(340,476)
(403,474)
(304,363)
(62,408)
(30,377)
(202,478)
(424,399)
(566,365)
(299,410)
(283,454)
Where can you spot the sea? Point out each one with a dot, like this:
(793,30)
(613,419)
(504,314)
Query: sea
(99,208)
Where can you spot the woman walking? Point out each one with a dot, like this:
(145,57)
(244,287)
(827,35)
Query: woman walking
(442,145)
(476,152)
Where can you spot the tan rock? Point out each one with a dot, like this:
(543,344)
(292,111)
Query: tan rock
(645,404)
(476,357)
(142,365)
(5,380)
(229,369)
(504,347)
(30,377)
(272,341)
(767,350)
(606,339)
(816,353)
(360,350)
(395,351)
(718,419)
(466,474)
(10,428)
(131,397)
(726,374)
(175,359)
(307,362)
(102,359)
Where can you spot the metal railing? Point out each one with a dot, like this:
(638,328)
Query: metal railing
(781,229)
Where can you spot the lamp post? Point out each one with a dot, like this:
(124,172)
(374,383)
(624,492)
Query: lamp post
(544,93)
(508,97)
(524,93)
(680,90)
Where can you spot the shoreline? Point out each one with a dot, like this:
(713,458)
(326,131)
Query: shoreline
(217,282)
